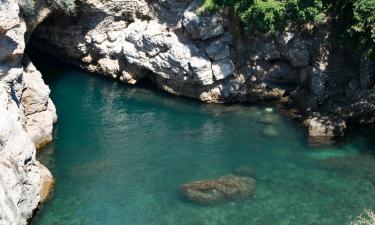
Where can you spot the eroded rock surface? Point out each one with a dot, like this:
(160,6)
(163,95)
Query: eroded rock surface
(20,180)
(206,56)
(201,55)
(26,118)
(38,109)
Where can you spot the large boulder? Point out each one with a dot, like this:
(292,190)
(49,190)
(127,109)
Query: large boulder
(202,27)
(323,129)
(222,69)
(212,191)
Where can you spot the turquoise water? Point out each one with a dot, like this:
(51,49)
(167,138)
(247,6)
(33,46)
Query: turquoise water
(121,152)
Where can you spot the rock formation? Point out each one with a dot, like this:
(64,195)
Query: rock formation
(182,50)
(226,188)
(203,55)
(323,129)
(26,122)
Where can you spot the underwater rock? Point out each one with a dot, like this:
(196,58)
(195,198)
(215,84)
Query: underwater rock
(206,192)
(245,171)
(270,132)
(268,118)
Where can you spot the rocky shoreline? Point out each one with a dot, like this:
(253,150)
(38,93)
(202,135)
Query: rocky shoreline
(183,51)
(207,56)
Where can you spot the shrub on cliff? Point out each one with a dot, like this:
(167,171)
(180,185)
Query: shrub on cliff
(268,16)
(356,17)
(363,27)
(67,6)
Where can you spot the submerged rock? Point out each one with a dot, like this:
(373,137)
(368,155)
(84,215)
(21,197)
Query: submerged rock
(270,132)
(268,118)
(212,191)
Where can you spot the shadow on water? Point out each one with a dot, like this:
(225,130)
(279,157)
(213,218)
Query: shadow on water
(121,152)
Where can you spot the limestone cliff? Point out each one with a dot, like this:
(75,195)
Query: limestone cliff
(189,52)
(184,51)
(26,122)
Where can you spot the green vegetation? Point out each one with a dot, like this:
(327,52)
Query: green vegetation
(272,15)
(67,6)
(363,27)
(269,16)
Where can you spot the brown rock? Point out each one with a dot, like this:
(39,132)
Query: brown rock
(48,183)
(212,191)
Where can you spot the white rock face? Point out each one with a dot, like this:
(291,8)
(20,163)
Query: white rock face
(204,55)
(149,44)
(26,119)
(38,109)
(222,69)
(21,180)
(186,52)
(163,38)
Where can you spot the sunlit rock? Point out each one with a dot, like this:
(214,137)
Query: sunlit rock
(323,129)
(48,183)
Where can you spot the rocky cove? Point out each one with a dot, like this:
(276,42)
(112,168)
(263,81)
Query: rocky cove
(204,56)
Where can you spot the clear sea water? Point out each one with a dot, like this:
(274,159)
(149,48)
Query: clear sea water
(121,152)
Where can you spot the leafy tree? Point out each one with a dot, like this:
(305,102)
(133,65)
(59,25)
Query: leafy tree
(363,27)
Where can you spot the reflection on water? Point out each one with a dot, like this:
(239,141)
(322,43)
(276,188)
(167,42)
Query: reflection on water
(120,154)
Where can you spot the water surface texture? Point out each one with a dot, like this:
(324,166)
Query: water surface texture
(120,154)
